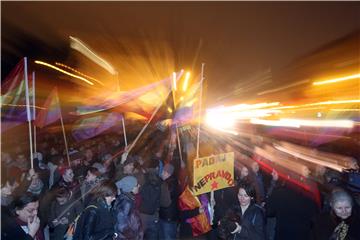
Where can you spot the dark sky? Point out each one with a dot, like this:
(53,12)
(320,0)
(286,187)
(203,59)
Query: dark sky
(236,40)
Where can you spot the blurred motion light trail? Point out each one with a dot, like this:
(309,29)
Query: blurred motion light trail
(63,71)
(308,123)
(80,73)
(82,48)
(355,76)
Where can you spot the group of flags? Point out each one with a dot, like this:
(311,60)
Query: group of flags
(18,101)
(98,113)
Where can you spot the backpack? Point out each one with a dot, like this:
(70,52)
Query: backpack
(70,232)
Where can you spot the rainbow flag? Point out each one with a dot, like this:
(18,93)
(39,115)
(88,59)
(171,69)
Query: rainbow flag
(187,108)
(89,127)
(13,98)
(51,111)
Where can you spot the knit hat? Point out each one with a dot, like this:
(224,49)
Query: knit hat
(169,168)
(127,183)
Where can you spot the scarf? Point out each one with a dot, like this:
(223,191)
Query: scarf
(340,231)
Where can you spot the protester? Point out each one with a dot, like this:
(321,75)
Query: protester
(128,222)
(23,223)
(252,223)
(97,221)
(342,222)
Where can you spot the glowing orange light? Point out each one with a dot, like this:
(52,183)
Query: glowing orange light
(337,79)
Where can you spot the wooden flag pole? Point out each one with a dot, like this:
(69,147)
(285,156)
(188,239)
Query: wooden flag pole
(63,130)
(200,99)
(178,140)
(124,130)
(28,110)
(34,111)
(143,129)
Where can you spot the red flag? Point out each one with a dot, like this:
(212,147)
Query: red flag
(51,111)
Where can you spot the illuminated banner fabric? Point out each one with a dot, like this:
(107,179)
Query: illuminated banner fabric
(213,173)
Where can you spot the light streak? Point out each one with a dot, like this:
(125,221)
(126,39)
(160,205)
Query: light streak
(63,71)
(174,81)
(345,110)
(297,123)
(337,79)
(20,105)
(80,73)
(309,158)
(186,81)
(78,45)
(284,87)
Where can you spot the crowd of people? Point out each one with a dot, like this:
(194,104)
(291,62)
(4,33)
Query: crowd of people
(104,193)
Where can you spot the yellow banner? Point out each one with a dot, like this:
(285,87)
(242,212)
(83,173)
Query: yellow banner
(213,173)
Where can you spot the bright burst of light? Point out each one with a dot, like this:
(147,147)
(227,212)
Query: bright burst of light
(169,110)
(219,121)
(63,71)
(186,81)
(355,76)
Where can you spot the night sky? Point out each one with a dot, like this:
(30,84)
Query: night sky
(236,40)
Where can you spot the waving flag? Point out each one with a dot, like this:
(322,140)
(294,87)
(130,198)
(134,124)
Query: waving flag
(186,109)
(51,111)
(142,100)
(89,127)
(13,98)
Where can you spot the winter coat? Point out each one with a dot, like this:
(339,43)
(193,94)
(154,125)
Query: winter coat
(252,223)
(128,222)
(96,223)
(325,224)
(70,210)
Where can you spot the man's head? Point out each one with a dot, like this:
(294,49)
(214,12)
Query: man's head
(255,167)
(62,196)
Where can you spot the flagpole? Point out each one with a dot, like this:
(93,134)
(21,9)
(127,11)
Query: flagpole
(178,140)
(34,112)
(63,130)
(28,110)
(124,130)
(200,100)
(143,129)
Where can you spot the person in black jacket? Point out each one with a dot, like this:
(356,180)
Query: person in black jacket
(252,224)
(97,221)
(169,216)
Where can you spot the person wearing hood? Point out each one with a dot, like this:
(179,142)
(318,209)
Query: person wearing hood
(128,222)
